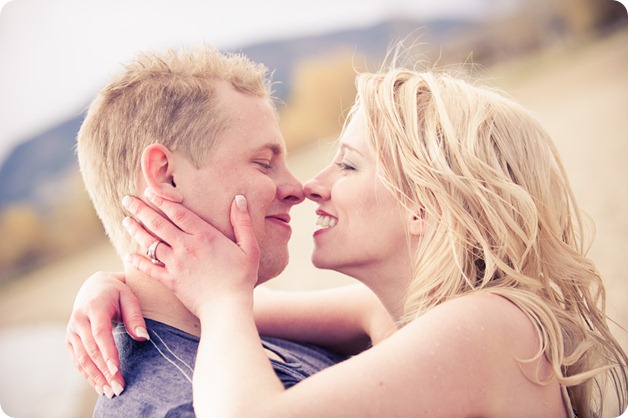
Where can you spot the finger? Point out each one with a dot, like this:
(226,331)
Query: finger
(80,335)
(113,382)
(93,384)
(163,252)
(85,365)
(106,349)
(73,355)
(148,267)
(103,336)
(179,215)
(132,316)
(155,223)
(243,226)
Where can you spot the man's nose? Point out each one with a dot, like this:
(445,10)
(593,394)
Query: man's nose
(291,190)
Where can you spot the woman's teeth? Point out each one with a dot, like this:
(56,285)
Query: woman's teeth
(326,221)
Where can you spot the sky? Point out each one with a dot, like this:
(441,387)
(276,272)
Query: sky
(56,54)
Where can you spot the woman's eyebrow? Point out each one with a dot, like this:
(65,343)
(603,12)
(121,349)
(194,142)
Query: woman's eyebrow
(350,148)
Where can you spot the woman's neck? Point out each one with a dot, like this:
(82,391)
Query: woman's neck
(390,286)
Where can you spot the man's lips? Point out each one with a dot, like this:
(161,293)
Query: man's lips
(281,217)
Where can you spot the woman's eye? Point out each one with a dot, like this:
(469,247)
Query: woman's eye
(345,167)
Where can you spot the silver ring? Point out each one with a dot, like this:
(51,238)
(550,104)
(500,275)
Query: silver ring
(151,253)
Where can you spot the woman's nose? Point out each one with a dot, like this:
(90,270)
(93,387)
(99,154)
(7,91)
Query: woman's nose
(315,189)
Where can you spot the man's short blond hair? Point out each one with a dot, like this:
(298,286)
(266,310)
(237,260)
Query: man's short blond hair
(167,98)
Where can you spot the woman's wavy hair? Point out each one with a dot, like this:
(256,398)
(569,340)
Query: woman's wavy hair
(500,217)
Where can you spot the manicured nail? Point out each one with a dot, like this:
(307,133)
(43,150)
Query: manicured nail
(117,388)
(148,193)
(141,332)
(126,222)
(128,258)
(126,201)
(113,369)
(108,391)
(240,202)
(98,390)
(153,197)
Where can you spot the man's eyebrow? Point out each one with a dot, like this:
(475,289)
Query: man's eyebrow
(273,147)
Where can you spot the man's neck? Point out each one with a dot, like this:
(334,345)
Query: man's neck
(160,304)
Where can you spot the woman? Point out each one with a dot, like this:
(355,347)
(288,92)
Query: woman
(451,204)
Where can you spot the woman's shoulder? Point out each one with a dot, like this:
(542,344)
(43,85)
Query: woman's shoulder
(482,320)
(493,343)
(484,308)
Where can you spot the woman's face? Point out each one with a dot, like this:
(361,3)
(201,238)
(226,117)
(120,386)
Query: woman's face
(361,229)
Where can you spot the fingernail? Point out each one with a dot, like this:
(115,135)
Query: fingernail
(117,388)
(113,369)
(108,391)
(148,193)
(126,222)
(141,332)
(126,201)
(153,197)
(128,258)
(98,390)
(240,202)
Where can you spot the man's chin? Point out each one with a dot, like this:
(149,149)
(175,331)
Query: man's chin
(271,268)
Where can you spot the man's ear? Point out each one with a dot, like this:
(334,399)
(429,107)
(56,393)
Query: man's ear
(158,171)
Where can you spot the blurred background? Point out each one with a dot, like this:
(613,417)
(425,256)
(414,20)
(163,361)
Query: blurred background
(565,60)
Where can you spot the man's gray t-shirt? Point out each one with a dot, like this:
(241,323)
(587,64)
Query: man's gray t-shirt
(158,372)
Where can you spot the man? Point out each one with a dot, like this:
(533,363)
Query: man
(199,128)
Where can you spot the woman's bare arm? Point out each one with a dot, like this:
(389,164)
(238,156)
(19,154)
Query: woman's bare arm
(461,358)
(104,297)
(347,319)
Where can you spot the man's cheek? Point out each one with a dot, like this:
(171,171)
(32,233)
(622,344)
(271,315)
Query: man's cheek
(259,225)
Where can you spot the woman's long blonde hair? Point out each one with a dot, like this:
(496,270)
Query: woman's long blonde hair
(500,215)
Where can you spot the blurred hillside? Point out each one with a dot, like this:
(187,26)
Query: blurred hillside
(579,93)
(45,213)
(44,209)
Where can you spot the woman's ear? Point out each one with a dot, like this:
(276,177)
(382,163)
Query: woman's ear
(417,222)
(158,170)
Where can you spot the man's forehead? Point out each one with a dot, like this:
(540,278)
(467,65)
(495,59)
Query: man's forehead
(249,123)
(248,149)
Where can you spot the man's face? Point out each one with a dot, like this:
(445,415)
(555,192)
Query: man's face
(248,158)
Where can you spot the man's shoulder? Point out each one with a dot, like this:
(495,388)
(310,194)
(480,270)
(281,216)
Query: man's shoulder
(157,374)
(126,407)
(169,353)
